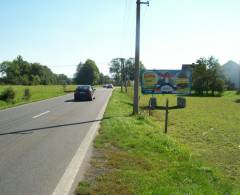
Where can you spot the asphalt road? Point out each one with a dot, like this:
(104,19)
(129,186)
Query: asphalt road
(39,140)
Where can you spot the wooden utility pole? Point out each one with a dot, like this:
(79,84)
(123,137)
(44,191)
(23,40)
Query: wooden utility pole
(137,56)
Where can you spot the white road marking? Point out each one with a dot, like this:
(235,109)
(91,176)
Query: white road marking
(65,183)
(40,114)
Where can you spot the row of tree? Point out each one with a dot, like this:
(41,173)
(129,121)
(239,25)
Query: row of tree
(121,69)
(21,72)
(208,76)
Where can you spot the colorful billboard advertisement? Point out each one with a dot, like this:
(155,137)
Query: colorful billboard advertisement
(166,81)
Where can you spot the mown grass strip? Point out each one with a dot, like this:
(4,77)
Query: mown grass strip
(39,92)
(133,156)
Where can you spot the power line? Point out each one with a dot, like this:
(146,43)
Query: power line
(144,14)
(125,26)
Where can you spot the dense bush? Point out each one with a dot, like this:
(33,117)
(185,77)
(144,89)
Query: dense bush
(27,94)
(8,95)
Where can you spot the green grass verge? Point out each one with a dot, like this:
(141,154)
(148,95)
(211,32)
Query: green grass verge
(39,92)
(137,158)
(210,127)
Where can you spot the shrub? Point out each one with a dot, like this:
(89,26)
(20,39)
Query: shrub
(8,95)
(83,188)
(238,92)
(27,94)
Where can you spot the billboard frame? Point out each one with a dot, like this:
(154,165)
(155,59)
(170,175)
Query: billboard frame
(166,81)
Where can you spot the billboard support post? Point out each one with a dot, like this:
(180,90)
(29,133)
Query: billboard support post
(177,82)
(166,117)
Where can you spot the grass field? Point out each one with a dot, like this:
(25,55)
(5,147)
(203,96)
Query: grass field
(200,155)
(209,127)
(39,92)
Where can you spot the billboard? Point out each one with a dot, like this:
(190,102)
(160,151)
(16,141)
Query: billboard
(166,81)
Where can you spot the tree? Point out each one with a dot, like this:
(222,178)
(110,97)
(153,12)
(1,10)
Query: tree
(12,70)
(208,76)
(77,74)
(128,71)
(103,79)
(200,76)
(216,76)
(130,65)
(115,71)
(107,79)
(63,79)
(87,73)
(3,68)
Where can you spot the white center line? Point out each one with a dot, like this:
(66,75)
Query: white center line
(40,114)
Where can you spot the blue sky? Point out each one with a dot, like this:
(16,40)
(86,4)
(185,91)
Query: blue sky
(61,33)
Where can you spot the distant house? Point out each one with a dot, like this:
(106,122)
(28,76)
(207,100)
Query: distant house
(232,72)
(188,66)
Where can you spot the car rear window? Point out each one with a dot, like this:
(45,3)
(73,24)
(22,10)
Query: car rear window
(83,88)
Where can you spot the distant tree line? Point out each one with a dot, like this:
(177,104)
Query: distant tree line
(208,76)
(21,72)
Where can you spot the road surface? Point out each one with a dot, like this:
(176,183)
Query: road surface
(38,141)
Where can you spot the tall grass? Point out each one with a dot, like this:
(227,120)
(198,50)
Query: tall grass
(39,92)
(209,126)
(134,156)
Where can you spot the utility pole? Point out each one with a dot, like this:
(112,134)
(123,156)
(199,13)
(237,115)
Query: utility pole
(137,55)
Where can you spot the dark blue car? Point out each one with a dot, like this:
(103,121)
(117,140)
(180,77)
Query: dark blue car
(84,92)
